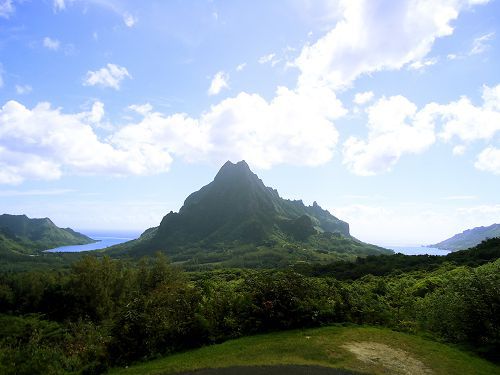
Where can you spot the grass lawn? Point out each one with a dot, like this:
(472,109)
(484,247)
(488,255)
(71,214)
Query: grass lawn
(364,349)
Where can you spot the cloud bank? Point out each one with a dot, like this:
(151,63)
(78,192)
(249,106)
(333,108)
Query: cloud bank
(295,126)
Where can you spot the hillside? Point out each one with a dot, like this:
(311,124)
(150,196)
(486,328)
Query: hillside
(355,350)
(238,221)
(22,235)
(469,238)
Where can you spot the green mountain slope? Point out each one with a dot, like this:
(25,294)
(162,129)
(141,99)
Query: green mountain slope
(22,235)
(469,238)
(236,220)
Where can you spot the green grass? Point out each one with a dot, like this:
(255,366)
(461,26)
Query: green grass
(321,346)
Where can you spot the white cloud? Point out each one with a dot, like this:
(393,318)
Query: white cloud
(219,82)
(463,120)
(240,67)
(491,98)
(59,5)
(269,59)
(6,8)
(394,128)
(109,76)
(246,127)
(458,150)
(96,113)
(23,89)
(15,167)
(489,160)
(156,134)
(295,127)
(129,20)
(422,64)
(360,43)
(52,44)
(142,109)
(480,44)
(43,143)
(363,97)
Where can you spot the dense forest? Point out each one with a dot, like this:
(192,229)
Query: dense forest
(102,312)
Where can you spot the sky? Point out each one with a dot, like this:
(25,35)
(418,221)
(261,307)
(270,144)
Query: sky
(385,113)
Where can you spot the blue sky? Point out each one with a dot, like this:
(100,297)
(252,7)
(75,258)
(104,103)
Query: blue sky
(385,113)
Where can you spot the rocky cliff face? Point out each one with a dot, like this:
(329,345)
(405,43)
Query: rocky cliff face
(237,206)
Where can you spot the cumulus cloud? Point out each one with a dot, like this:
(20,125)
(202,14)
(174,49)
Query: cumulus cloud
(240,67)
(109,76)
(467,122)
(43,143)
(246,127)
(295,127)
(363,97)
(52,44)
(219,82)
(360,43)
(6,8)
(489,160)
(395,128)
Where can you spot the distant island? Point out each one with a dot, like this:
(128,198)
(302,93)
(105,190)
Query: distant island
(468,238)
(20,234)
(238,221)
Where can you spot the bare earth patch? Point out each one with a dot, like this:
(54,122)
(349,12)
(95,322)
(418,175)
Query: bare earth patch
(396,361)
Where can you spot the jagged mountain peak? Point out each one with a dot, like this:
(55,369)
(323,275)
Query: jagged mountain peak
(237,217)
(235,172)
(237,206)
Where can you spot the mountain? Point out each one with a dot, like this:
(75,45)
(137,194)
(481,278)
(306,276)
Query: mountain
(20,234)
(469,238)
(237,220)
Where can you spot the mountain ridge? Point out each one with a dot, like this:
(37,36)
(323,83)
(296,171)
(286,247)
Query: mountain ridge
(235,215)
(24,235)
(469,238)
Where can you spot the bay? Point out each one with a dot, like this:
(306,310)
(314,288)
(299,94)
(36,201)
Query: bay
(417,250)
(104,239)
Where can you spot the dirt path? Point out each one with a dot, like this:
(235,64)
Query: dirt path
(396,361)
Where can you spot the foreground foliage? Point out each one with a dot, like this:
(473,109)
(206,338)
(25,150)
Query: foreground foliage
(104,312)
